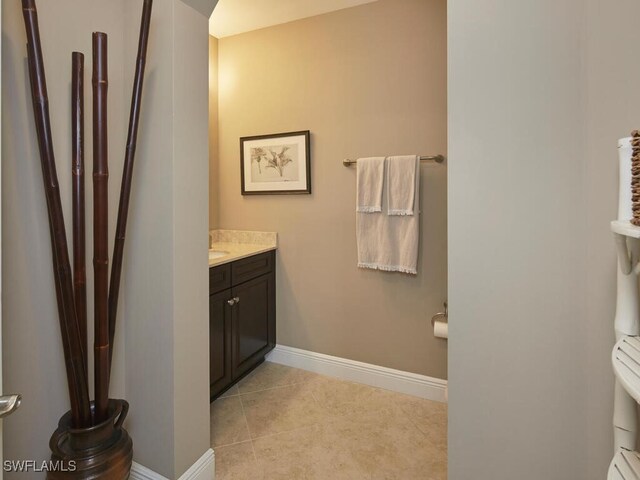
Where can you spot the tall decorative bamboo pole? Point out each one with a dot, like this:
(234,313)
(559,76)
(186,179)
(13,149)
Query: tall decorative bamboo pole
(127,175)
(73,354)
(100,225)
(77,173)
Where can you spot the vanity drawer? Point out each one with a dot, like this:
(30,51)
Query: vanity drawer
(219,278)
(252,267)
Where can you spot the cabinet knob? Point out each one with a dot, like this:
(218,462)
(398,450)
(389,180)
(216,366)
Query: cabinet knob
(231,302)
(236,299)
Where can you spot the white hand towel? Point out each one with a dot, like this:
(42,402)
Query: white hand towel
(389,242)
(370,178)
(401,181)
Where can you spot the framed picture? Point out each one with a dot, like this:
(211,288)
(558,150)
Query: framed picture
(276,164)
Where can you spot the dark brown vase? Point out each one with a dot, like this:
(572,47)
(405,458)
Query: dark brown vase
(104,451)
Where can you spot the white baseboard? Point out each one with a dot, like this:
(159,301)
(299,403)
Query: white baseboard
(203,469)
(139,472)
(359,372)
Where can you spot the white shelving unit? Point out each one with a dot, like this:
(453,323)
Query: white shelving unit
(625,466)
(626,365)
(626,228)
(626,354)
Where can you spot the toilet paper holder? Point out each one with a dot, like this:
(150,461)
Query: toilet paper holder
(440,315)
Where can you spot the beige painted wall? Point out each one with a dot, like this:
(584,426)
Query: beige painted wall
(190,234)
(166,336)
(33,362)
(214,193)
(517,229)
(162,347)
(533,173)
(369,80)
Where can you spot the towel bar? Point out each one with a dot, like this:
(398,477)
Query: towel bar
(429,158)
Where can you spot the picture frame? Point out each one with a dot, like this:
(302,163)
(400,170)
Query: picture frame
(276,164)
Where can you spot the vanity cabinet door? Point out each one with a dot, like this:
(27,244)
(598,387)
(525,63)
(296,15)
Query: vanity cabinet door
(253,330)
(220,317)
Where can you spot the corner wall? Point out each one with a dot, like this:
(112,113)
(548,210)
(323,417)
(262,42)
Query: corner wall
(162,347)
(533,173)
(190,231)
(214,141)
(166,263)
(368,80)
(33,362)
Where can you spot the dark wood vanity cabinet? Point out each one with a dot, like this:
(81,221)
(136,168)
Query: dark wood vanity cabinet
(219,342)
(242,318)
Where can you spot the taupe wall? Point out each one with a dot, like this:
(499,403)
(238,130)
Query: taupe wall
(517,229)
(369,80)
(162,347)
(214,200)
(166,264)
(533,173)
(33,362)
(190,234)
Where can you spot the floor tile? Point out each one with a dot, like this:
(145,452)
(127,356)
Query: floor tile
(430,417)
(386,446)
(340,399)
(270,375)
(231,392)
(287,424)
(280,409)
(228,424)
(237,462)
(307,453)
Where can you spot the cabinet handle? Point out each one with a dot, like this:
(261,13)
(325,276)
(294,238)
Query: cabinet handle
(231,302)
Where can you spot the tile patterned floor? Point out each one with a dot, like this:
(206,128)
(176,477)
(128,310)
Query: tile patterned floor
(284,423)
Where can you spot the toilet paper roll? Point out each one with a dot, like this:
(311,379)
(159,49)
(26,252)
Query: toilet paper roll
(440,329)
(624,186)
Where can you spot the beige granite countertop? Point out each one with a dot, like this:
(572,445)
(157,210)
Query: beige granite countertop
(240,244)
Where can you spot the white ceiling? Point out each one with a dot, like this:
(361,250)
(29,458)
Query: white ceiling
(231,17)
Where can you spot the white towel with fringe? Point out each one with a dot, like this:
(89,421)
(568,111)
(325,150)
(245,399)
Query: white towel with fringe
(390,242)
(401,181)
(369,181)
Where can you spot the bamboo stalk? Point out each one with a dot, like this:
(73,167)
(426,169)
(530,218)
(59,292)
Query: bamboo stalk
(100,226)
(127,175)
(77,172)
(76,374)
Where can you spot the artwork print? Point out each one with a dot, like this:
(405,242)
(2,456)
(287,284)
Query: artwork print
(276,164)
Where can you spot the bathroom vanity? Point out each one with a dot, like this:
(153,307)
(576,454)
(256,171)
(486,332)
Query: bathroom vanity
(242,314)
